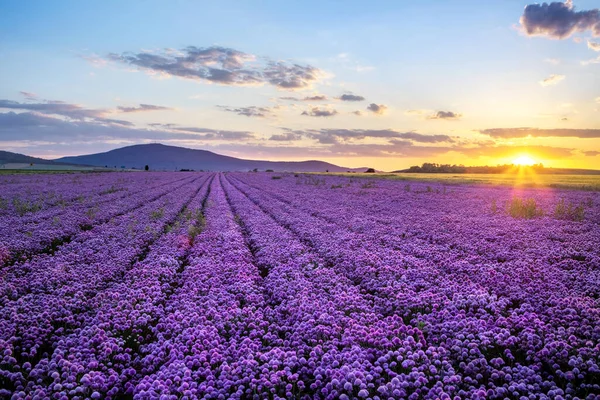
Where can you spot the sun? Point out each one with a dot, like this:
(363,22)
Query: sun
(524,160)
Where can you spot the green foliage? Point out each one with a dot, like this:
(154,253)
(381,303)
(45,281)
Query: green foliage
(23,207)
(494,206)
(569,211)
(524,208)
(110,190)
(157,214)
(368,185)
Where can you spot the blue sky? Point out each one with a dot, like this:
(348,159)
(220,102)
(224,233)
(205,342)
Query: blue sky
(443,81)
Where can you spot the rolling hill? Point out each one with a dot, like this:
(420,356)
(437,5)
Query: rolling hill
(162,157)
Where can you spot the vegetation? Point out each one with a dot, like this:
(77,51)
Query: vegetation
(524,208)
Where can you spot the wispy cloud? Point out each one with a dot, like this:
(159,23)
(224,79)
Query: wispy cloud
(553,61)
(222,65)
(593,45)
(559,20)
(142,108)
(552,80)
(29,95)
(316,97)
(252,111)
(513,133)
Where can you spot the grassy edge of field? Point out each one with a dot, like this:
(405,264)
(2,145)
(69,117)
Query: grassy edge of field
(569,182)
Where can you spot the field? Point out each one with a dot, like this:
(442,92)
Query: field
(557,181)
(294,286)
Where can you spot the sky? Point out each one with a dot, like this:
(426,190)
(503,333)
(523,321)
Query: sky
(384,84)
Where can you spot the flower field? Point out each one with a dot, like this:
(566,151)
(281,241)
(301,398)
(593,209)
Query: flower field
(281,286)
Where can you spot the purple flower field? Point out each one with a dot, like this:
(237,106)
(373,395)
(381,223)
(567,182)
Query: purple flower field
(281,286)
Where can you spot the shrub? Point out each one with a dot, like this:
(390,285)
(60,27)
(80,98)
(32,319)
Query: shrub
(276,177)
(569,211)
(337,186)
(524,208)
(23,207)
(370,171)
(494,206)
(157,214)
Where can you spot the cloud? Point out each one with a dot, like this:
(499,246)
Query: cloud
(591,153)
(553,61)
(73,111)
(357,113)
(320,112)
(30,130)
(552,80)
(318,97)
(216,134)
(29,126)
(252,111)
(593,45)
(559,20)
(29,96)
(351,97)
(288,136)
(222,65)
(378,109)
(514,133)
(329,136)
(143,107)
(445,115)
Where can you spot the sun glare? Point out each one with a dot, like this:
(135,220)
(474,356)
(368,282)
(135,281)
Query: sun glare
(524,160)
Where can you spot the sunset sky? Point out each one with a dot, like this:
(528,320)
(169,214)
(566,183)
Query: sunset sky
(385,84)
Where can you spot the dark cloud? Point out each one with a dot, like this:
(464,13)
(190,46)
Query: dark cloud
(351,97)
(289,136)
(378,109)
(357,112)
(32,126)
(143,107)
(591,153)
(34,131)
(329,136)
(252,111)
(513,133)
(559,20)
(223,66)
(319,112)
(447,115)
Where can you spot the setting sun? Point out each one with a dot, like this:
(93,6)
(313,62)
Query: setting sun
(524,160)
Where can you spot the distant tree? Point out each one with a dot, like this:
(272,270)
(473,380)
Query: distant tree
(255,170)
(146,168)
(326,170)
(269,170)
(370,171)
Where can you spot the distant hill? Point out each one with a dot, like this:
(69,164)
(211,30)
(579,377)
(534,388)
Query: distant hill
(6,157)
(170,158)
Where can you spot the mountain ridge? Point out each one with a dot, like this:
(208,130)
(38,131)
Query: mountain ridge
(168,158)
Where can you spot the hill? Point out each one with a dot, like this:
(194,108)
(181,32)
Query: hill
(6,157)
(162,157)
